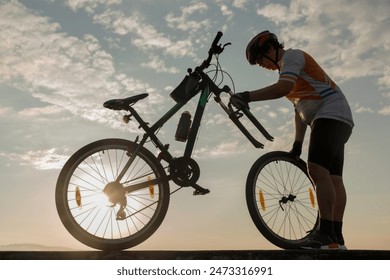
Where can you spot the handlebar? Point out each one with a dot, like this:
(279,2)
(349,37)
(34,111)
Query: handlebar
(214,49)
(216,40)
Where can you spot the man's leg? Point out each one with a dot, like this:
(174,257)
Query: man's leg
(339,208)
(325,237)
(340,199)
(325,190)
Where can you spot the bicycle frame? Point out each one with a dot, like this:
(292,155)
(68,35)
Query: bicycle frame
(206,87)
(150,132)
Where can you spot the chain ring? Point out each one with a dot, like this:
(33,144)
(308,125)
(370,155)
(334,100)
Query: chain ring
(184,171)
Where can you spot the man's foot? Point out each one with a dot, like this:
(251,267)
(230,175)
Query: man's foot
(341,242)
(321,241)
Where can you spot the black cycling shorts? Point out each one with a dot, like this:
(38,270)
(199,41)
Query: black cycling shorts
(327,141)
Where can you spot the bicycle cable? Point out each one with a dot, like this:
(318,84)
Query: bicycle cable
(225,72)
(218,69)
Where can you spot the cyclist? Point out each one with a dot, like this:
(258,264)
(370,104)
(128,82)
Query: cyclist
(319,103)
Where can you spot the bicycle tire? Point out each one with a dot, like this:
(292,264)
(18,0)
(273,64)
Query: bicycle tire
(281,199)
(89,217)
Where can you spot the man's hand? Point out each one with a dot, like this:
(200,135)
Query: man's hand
(296,149)
(240,100)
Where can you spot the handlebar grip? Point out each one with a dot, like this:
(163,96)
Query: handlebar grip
(237,122)
(257,124)
(216,39)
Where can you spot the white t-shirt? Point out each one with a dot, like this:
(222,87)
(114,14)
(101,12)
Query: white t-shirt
(314,94)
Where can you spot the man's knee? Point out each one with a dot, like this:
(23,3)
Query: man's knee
(317,172)
(337,180)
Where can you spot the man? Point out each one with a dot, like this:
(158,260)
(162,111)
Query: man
(319,103)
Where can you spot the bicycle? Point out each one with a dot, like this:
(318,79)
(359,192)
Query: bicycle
(113,194)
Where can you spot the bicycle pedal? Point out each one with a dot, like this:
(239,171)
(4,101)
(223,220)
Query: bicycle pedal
(201,192)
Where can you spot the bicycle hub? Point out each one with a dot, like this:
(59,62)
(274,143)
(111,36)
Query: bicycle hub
(116,193)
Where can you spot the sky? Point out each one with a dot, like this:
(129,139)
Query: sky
(60,60)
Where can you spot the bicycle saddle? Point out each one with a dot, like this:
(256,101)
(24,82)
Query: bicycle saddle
(123,104)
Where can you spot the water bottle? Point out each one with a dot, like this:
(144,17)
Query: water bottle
(183,127)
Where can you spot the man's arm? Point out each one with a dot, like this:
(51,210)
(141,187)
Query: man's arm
(300,128)
(274,91)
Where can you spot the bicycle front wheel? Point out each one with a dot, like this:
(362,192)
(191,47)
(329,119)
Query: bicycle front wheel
(130,216)
(281,199)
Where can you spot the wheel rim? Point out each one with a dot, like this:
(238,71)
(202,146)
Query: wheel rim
(92,218)
(285,202)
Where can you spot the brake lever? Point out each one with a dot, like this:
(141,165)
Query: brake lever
(237,112)
(227,44)
(218,49)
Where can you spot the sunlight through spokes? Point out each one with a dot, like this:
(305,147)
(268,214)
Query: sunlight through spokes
(95,198)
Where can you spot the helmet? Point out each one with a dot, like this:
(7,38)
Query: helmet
(255,46)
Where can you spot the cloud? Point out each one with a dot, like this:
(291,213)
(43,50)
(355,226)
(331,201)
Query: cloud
(351,38)
(38,111)
(278,13)
(144,36)
(384,81)
(75,74)
(385,111)
(39,159)
(226,11)
(5,110)
(272,114)
(284,110)
(240,3)
(90,5)
(158,65)
(183,22)
(362,109)
(222,150)
(217,119)
(35,51)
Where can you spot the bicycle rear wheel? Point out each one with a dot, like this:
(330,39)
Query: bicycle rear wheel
(87,213)
(281,199)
